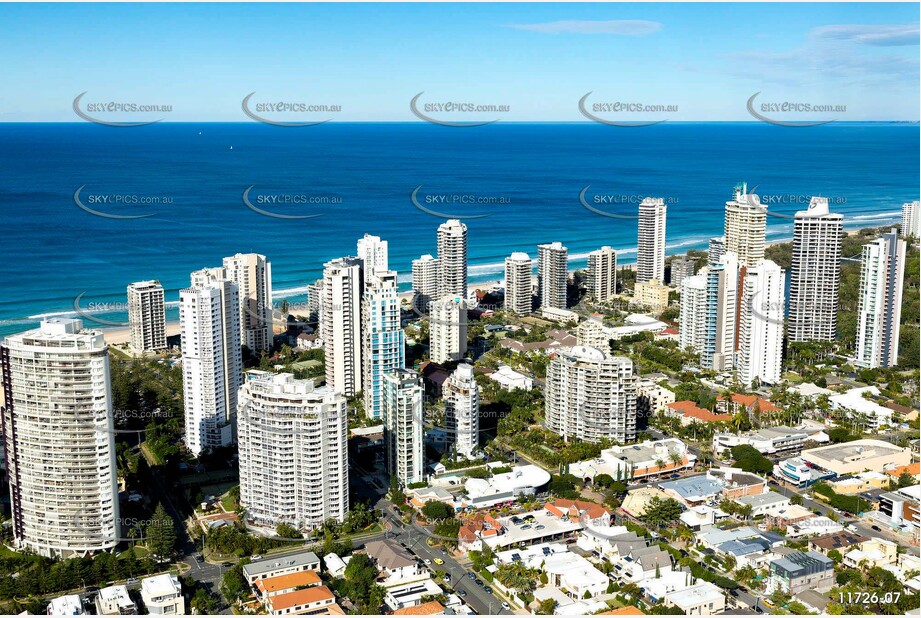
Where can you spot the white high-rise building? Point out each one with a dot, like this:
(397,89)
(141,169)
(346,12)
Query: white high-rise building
(715,249)
(147,316)
(425,283)
(761,324)
(462,410)
(253,275)
(552,260)
(403,426)
(212,361)
(340,315)
(745,226)
(382,338)
(650,241)
(58,433)
(372,251)
(590,397)
(293,451)
(880,308)
(718,351)
(815,273)
(692,320)
(448,329)
(452,259)
(911,219)
(601,279)
(518,283)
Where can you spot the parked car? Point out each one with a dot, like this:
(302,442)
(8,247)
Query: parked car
(439,561)
(257,557)
(463,593)
(471,575)
(488,590)
(478,581)
(506,606)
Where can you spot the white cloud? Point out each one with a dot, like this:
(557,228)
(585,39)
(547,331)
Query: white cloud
(880,35)
(624,27)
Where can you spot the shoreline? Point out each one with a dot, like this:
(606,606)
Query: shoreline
(121,335)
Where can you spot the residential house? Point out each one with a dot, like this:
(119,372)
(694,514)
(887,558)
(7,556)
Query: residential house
(162,595)
(799,571)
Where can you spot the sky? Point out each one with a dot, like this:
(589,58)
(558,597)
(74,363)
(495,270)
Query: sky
(691,61)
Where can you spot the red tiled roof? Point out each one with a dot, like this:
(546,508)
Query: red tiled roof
(690,410)
(749,402)
(299,597)
(424,609)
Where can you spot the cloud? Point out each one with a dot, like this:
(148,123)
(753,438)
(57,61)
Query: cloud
(624,27)
(879,35)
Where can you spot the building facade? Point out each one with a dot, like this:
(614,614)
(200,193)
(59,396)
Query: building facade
(745,226)
(911,219)
(682,267)
(552,259)
(815,273)
(761,324)
(692,317)
(719,342)
(448,329)
(293,451)
(452,259)
(403,426)
(518,283)
(147,316)
(650,241)
(253,275)
(601,279)
(341,320)
(373,253)
(425,283)
(462,410)
(212,361)
(590,396)
(383,341)
(880,305)
(58,433)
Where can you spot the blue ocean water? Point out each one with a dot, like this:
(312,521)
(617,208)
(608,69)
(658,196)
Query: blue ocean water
(53,251)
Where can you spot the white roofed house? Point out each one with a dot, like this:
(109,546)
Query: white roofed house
(768,503)
(162,595)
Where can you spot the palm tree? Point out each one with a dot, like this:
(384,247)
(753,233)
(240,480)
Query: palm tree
(675,457)
(660,464)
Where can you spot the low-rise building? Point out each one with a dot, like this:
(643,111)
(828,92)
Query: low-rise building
(702,517)
(636,461)
(115,601)
(505,487)
(283,584)
(474,529)
(281,565)
(857,456)
(651,294)
(652,397)
(768,503)
(411,594)
(162,595)
(901,507)
(787,516)
(509,379)
(66,605)
(842,542)
(751,404)
(429,608)
(396,565)
(770,440)
(872,553)
(813,526)
(913,470)
(687,412)
(859,483)
(857,406)
(797,471)
(637,500)
(314,600)
(565,570)
(799,571)
(701,599)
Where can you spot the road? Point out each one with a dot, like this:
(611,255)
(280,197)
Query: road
(414,537)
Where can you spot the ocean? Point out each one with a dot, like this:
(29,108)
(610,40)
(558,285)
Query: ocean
(519,184)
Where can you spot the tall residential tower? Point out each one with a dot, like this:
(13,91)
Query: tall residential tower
(650,242)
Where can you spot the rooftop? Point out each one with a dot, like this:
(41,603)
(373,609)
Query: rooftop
(693,487)
(282,562)
(765,499)
(838,540)
(292,580)
(424,609)
(852,452)
(314,594)
(388,554)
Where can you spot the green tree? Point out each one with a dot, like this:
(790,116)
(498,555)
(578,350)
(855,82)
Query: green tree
(161,534)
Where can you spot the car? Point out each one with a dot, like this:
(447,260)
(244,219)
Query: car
(444,552)
(257,557)
(506,606)
(877,528)
(539,527)
(471,575)
(734,592)
(199,558)
(478,581)
(428,561)
(132,581)
(767,603)
(462,593)
(526,526)
(488,590)
(439,561)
